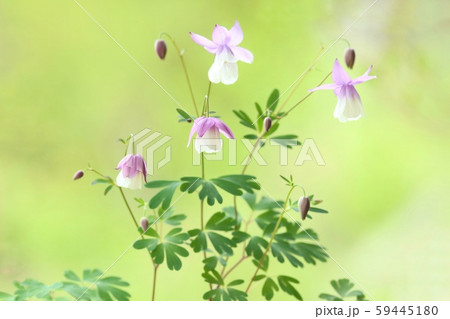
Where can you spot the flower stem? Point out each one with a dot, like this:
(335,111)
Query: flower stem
(301,100)
(155,273)
(183,64)
(271,238)
(128,207)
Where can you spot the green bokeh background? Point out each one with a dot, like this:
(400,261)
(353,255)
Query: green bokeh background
(67,92)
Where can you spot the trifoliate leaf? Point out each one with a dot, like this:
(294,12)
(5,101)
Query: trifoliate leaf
(268,288)
(256,247)
(286,286)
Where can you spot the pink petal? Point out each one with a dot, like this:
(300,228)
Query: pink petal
(124,161)
(219,35)
(331,86)
(235,34)
(242,54)
(204,42)
(339,75)
(363,78)
(194,128)
(204,126)
(224,129)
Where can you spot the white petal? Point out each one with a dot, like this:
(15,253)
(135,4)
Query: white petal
(229,73)
(210,142)
(349,106)
(137,182)
(223,70)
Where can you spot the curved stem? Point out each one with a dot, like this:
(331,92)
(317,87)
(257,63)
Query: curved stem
(301,100)
(300,81)
(183,64)
(271,239)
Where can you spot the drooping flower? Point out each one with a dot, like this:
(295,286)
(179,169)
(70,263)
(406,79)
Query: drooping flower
(208,131)
(349,106)
(133,172)
(224,45)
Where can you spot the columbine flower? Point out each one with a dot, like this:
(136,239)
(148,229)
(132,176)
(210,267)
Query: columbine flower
(349,106)
(133,172)
(208,131)
(224,45)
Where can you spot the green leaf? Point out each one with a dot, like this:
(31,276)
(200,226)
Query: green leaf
(236,282)
(273,99)
(344,289)
(245,119)
(259,277)
(170,249)
(256,247)
(225,294)
(107,189)
(164,196)
(288,140)
(268,288)
(184,115)
(100,181)
(211,194)
(342,286)
(150,244)
(318,210)
(238,182)
(213,277)
(221,244)
(264,265)
(190,184)
(219,221)
(210,263)
(251,136)
(250,198)
(287,287)
(70,275)
(239,236)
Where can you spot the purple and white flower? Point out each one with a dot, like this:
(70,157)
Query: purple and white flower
(208,131)
(133,174)
(349,106)
(224,45)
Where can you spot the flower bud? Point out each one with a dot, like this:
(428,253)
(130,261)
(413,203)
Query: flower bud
(267,123)
(78,174)
(350,58)
(161,48)
(303,206)
(144,223)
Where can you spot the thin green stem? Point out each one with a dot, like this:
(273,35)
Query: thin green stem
(183,64)
(301,100)
(271,239)
(300,81)
(128,207)
(155,273)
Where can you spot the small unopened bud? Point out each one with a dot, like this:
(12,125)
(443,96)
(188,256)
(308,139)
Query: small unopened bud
(189,120)
(161,48)
(303,206)
(350,58)
(267,123)
(144,223)
(78,174)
